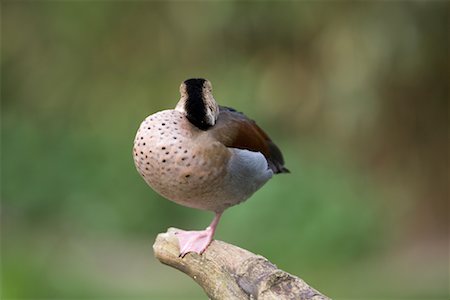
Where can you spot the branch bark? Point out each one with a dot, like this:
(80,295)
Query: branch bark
(226,271)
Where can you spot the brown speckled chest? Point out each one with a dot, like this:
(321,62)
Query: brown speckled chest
(181,162)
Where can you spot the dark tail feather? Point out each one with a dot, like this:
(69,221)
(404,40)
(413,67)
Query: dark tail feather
(276,160)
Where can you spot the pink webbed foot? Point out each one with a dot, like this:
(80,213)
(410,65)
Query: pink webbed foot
(196,241)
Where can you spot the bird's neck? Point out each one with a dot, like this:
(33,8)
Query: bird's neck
(201,111)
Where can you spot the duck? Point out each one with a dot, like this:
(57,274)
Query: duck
(204,156)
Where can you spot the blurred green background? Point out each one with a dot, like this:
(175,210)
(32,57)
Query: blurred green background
(355,94)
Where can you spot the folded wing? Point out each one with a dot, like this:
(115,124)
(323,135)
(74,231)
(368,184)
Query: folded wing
(235,130)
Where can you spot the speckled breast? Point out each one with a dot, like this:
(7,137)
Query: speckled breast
(179,161)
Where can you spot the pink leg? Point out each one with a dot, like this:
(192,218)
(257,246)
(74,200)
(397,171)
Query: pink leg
(197,241)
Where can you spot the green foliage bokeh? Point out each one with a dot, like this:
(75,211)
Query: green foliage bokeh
(323,79)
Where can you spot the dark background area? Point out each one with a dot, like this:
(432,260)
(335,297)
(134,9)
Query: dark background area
(355,94)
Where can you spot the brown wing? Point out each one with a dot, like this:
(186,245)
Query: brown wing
(235,130)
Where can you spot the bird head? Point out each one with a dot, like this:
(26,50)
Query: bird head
(198,103)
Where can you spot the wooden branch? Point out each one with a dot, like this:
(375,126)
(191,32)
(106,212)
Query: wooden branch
(226,271)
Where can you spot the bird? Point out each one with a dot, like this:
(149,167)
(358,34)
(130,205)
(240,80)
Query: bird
(204,156)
